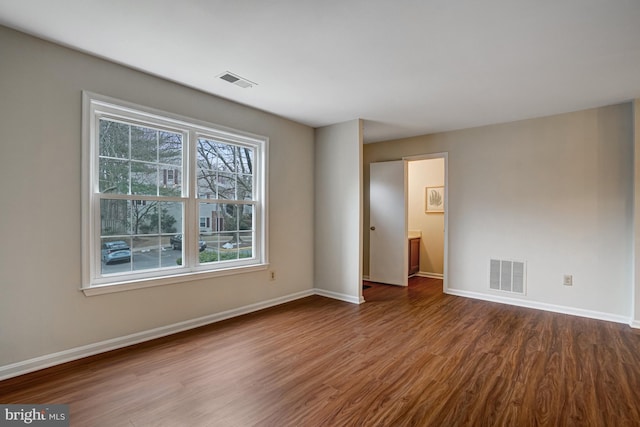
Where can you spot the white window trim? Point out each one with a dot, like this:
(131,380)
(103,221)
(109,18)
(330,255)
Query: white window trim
(92,283)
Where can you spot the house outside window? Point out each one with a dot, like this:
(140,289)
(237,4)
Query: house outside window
(136,206)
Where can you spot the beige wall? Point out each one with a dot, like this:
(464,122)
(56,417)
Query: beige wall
(556,192)
(338,215)
(422,174)
(42,310)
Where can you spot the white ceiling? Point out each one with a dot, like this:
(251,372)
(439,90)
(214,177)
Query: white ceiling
(407,67)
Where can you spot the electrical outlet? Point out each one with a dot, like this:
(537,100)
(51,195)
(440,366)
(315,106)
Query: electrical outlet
(568,280)
(272,275)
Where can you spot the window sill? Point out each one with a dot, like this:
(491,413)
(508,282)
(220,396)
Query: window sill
(131,285)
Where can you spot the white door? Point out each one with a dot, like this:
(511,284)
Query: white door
(388,252)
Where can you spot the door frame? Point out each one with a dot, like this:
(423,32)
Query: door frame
(445,156)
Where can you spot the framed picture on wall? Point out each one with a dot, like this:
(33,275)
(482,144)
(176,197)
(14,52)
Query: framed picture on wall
(434,199)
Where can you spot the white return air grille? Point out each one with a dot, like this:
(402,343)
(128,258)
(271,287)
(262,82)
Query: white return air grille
(237,80)
(507,276)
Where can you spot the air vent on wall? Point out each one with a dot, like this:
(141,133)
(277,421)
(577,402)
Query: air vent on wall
(507,276)
(237,80)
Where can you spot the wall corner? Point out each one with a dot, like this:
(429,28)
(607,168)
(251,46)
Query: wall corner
(635,294)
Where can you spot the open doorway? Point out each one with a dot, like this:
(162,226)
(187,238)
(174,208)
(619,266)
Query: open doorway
(390,230)
(427,213)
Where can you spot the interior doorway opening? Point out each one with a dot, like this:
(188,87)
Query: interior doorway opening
(427,208)
(392,199)
(425,217)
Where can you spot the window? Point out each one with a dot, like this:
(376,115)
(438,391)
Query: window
(170,177)
(167,199)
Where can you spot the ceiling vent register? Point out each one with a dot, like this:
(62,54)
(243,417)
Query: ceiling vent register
(237,80)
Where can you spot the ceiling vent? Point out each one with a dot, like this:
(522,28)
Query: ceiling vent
(237,80)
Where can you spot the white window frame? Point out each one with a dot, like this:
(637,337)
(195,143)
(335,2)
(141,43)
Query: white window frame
(93,282)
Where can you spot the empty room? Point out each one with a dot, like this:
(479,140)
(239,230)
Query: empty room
(312,213)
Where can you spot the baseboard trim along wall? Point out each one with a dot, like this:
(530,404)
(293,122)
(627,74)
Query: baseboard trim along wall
(430,275)
(339,296)
(48,360)
(635,324)
(598,315)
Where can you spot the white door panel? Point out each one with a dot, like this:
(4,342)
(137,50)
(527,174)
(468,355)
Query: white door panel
(388,223)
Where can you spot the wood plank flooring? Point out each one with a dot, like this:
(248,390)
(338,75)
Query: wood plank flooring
(407,357)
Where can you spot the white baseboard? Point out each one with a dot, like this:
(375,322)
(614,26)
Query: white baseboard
(635,324)
(48,360)
(542,306)
(339,296)
(430,275)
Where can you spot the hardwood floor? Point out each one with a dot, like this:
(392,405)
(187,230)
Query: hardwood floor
(408,357)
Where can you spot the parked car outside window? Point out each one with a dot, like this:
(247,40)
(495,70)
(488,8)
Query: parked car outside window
(176,243)
(117,251)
